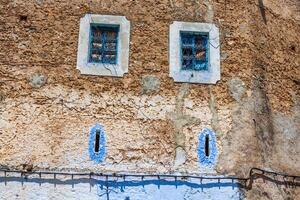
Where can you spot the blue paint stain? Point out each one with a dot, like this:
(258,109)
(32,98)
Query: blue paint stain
(99,156)
(210,160)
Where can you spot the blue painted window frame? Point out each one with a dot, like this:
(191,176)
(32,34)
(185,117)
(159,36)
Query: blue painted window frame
(187,42)
(100,155)
(105,28)
(207,161)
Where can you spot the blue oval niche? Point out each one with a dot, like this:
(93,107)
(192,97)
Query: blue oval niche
(97,143)
(207,148)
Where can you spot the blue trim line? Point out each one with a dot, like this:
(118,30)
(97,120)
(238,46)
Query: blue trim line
(99,156)
(207,161)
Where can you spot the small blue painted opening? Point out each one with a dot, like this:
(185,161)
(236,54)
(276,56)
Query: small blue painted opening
(97,148)
(194,50)
(207,148)
(103,47)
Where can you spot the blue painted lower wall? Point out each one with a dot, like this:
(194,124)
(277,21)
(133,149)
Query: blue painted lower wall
(150,188)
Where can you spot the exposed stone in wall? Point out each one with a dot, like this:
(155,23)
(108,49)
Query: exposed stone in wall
(150,84)
(37,80)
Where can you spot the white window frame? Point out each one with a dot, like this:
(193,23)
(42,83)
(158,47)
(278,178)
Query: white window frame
(102,69)
(209,76)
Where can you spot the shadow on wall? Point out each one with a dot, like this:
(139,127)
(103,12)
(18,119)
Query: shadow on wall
(191,182)
(123,184)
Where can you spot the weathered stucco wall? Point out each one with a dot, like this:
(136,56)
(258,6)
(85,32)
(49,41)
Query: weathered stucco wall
(47,107)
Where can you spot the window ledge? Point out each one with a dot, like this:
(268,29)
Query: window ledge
(209,76)
(101,69)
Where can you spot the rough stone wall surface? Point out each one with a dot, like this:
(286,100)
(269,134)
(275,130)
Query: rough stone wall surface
(47,106)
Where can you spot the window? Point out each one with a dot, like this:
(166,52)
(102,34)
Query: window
(97,148)
(103,45)
(207,148)
(194,53)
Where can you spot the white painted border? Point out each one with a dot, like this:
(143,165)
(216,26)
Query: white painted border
(86,67)
(210,76)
